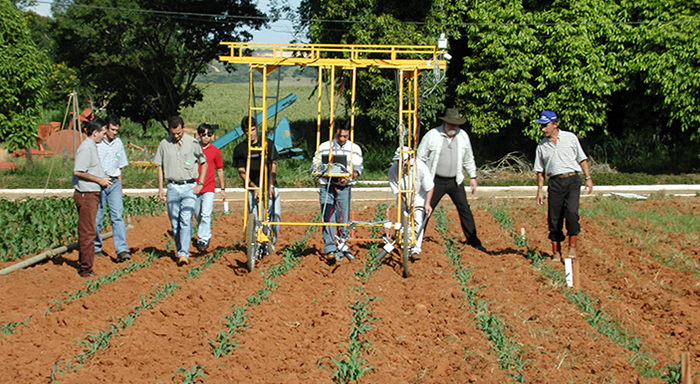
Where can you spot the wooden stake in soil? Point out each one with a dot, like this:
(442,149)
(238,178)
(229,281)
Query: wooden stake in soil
(576,272)
(686,371)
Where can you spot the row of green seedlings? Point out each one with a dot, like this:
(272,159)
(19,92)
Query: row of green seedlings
(509,353)
(597,318)
(100,340)
(90,287)
(225,341)
(619,209)
(350,365)
(33,225)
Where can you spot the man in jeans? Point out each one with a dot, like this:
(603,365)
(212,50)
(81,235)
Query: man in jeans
(205,198)
(113,159)
(177,158)
(88,181)
(336,191)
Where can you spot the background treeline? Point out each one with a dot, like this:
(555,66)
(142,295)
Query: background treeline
(622,74)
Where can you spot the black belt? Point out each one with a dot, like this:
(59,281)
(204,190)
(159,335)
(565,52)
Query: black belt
(190,181)
(563,175)
(445,178)
(113,179)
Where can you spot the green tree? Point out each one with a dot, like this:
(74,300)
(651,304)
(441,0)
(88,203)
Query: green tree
(391,22)
(23,71)
(144,55)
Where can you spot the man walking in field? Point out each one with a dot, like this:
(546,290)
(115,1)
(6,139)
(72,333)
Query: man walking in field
(240,159)
(417,178)
(205,198)
(447,151)
(88,180)
(336,190)
(177,158)
(559,156)
(113,159)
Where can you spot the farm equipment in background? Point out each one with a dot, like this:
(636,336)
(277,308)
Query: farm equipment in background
(281,136)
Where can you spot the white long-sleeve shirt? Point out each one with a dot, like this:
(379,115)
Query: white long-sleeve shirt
(431,145)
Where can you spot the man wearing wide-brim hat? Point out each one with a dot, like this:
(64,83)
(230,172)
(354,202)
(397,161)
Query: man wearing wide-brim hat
(448,153)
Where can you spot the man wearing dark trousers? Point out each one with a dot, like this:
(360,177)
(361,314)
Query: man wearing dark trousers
(448,152)
(88,180)
(560,156)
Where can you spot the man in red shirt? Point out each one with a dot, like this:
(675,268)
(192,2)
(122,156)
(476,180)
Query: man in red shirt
(205,198)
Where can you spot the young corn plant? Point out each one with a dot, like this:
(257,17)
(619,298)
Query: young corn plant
(9,327)
(190,376)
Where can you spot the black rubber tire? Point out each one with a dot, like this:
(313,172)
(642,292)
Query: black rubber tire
(251,242)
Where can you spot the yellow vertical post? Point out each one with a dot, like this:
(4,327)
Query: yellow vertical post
(319,108)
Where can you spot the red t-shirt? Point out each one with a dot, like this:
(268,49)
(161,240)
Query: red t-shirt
(213,156)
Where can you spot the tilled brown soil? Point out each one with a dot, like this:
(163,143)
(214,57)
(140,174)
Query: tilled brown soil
(423,330)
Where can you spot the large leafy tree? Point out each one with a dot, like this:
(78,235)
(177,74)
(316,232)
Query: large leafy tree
(144,55)
(23,71)
(392,22)
(587,59)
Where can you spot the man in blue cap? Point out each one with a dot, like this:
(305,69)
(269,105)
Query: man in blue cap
(559,156)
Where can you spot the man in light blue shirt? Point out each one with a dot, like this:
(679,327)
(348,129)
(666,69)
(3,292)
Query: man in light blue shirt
(113,159)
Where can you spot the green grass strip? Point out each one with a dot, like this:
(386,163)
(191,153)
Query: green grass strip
(94,341)
(509,353)
(597,318)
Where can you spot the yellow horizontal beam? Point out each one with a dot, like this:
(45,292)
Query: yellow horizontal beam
(349,55)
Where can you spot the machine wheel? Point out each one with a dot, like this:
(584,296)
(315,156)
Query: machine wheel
(251,241)
(405,243)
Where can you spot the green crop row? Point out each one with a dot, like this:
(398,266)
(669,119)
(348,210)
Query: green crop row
(95,284)
(509,353)
(350,365)
(596,317)
(94,341)
(225,341)
(30,225)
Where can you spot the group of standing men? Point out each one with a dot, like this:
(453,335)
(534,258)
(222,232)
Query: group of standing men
(187,167)
(438,167)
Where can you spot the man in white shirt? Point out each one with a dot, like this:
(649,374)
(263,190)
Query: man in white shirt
(560,156)
(336,190)
(447,151)
(113,159)
(422,186)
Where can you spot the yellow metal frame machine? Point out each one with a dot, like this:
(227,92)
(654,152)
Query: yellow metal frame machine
(408,60)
